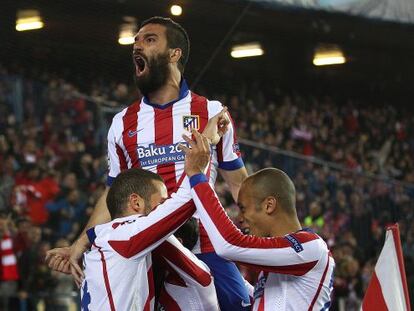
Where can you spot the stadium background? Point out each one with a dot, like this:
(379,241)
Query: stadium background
(344,133)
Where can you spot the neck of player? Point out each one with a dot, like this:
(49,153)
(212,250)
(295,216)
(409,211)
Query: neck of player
(169,91)
(285,224)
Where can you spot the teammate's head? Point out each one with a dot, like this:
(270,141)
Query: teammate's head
(267,195)
(135,191)
(187,234)
(161,46)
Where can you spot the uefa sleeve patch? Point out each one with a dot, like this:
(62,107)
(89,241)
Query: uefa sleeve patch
(295,244)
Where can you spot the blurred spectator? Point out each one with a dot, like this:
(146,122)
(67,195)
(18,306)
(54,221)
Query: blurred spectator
(315,219)
(9,274)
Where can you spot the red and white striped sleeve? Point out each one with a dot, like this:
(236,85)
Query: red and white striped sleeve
(116,158)
(189,282)
(138,236)
(294,254)
(228,151)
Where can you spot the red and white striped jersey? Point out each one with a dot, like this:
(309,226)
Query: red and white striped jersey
(118,268)
(147,136)
(296,270)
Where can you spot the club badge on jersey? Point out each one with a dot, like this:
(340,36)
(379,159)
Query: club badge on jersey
(191,122)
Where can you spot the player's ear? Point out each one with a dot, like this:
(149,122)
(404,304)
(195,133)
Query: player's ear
(136,203)
(270,204)
(175,55)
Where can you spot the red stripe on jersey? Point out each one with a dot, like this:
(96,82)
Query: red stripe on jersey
(374,299)
(106,279)
(199,108)
(164,136)
(205,244)
(298,269)
(121,157)
(262,303)
(320,285)
(232,235)
(174,255)
(154,233)
(151,291)
(168,302)
(129,134)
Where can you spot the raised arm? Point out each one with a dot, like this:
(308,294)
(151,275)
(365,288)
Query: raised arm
(141,234)
(291,254)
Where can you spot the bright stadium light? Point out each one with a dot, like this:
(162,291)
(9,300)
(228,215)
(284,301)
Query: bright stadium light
(127,31)
(176,10)
(246,50)
(328,55)
(28,20)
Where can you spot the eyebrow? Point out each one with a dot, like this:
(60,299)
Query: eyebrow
(146,35)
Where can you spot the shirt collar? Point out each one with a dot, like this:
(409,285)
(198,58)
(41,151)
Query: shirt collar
(183,93)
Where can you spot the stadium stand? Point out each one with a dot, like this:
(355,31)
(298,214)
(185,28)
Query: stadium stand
(351,161)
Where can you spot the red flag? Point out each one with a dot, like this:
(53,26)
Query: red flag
(388,289)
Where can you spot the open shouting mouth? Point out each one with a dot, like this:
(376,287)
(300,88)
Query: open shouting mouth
(140,64)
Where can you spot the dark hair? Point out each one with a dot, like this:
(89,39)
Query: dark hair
(131,181)
(177,37)
(188,233)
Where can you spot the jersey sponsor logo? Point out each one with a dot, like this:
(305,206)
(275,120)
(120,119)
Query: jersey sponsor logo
(295,244)
(259,287)
(191,122)
(163,154)
(133,133)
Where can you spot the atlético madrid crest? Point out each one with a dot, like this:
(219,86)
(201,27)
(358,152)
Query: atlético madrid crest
(191,122)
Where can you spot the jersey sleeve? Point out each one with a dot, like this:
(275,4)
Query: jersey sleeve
(139,236)
(294,254)
(116,157)
(228,151)
(187,266)
(188,281)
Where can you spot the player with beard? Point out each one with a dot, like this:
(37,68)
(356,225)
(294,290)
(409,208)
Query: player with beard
(147,135)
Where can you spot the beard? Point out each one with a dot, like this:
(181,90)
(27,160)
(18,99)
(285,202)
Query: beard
(157,75)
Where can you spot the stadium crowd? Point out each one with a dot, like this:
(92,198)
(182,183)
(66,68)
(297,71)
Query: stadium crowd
(53,169)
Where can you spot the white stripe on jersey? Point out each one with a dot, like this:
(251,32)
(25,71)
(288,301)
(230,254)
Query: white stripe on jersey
(146,134)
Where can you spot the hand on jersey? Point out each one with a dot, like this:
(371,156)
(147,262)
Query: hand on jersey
(217,126)
(197,154)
